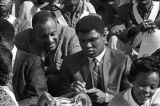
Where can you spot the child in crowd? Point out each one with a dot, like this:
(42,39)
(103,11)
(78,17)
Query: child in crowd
(145,77)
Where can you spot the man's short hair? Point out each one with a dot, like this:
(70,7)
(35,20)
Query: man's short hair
(145,65)
(7,30)
(42,17)
(91,22)
(5,65)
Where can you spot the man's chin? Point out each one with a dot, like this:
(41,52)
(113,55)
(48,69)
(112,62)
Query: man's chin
(52,48)
(91,55)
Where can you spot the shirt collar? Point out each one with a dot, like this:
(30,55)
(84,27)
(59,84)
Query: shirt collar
(99,57)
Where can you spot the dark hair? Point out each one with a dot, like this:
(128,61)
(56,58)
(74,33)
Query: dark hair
(5,65)
(145,65)
(7,31)
(91,22)
(42,17)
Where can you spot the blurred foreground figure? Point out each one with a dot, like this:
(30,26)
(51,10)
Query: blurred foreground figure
(7,96)
(28,80)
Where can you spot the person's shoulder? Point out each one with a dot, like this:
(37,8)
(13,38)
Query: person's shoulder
(116,53)
(126,6)
(24,35)
(23,22)
(20,20)
(119,99)
(27,56)
(66,30)
(26,32)
(156,94)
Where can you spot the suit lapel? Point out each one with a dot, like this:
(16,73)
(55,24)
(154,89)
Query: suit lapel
(106,67)
(139,20)
(16,72)
(136,14)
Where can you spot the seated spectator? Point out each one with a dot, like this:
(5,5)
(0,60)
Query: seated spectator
(27,9)
(73,10)
(96,70)
(18,24)
(7,97)
(28,75)
(132,21)
(49,40)
(145,77)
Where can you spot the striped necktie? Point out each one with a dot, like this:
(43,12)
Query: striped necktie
(95,73)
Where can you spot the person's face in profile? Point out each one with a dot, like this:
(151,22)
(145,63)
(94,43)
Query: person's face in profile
(47,34)
(144,86)
(5,5)
(71,2)
(92,43)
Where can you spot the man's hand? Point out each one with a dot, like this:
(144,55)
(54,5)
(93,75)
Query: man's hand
(97,95)
(147,25)
(113,42)
(78,86)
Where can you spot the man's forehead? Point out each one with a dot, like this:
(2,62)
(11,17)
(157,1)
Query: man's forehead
(92,33)
(46,21)
(50,24)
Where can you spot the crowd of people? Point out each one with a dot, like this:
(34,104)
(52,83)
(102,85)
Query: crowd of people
(89,46)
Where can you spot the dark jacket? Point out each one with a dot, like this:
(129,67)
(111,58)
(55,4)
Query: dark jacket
(28,76)
(115,68)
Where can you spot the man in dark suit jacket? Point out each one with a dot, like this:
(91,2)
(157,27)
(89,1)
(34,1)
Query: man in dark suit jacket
(112,65)
(28,75)
(51,41)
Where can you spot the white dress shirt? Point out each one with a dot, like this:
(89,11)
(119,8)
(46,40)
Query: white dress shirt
(14,52)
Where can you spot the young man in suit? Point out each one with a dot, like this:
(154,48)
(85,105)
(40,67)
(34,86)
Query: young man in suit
(107,76)
(28,75)
(51,41)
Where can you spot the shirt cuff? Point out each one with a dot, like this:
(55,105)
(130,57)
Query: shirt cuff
(108,97)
